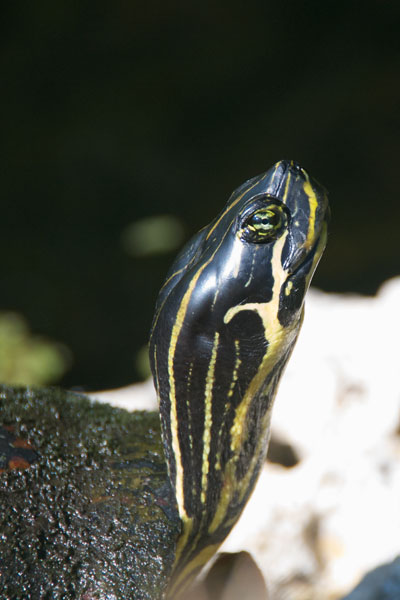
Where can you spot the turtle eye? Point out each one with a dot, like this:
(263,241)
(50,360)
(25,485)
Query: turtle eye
(265,224)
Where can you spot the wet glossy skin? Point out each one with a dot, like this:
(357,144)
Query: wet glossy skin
(225,324)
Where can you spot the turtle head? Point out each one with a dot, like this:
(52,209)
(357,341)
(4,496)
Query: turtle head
(226,321)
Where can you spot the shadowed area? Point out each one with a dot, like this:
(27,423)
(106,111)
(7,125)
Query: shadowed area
(119,115)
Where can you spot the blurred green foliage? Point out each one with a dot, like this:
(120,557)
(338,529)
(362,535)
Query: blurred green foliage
(26,358)
(142,363)
(154,235)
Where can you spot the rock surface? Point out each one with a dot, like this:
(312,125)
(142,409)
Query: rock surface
(86,509)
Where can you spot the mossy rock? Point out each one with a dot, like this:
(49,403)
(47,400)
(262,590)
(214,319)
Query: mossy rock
(86,507)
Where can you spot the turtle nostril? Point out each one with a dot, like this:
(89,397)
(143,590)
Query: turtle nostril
(295,165)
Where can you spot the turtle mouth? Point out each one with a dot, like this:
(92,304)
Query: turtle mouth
(312,257)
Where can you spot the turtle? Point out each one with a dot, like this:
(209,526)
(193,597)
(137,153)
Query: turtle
(99,503)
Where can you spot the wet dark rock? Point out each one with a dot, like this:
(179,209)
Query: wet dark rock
(86,509)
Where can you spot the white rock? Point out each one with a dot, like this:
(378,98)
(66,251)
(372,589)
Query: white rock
(139,396)
(317,528)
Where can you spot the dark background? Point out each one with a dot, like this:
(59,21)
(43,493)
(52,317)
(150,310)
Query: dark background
(114,111)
